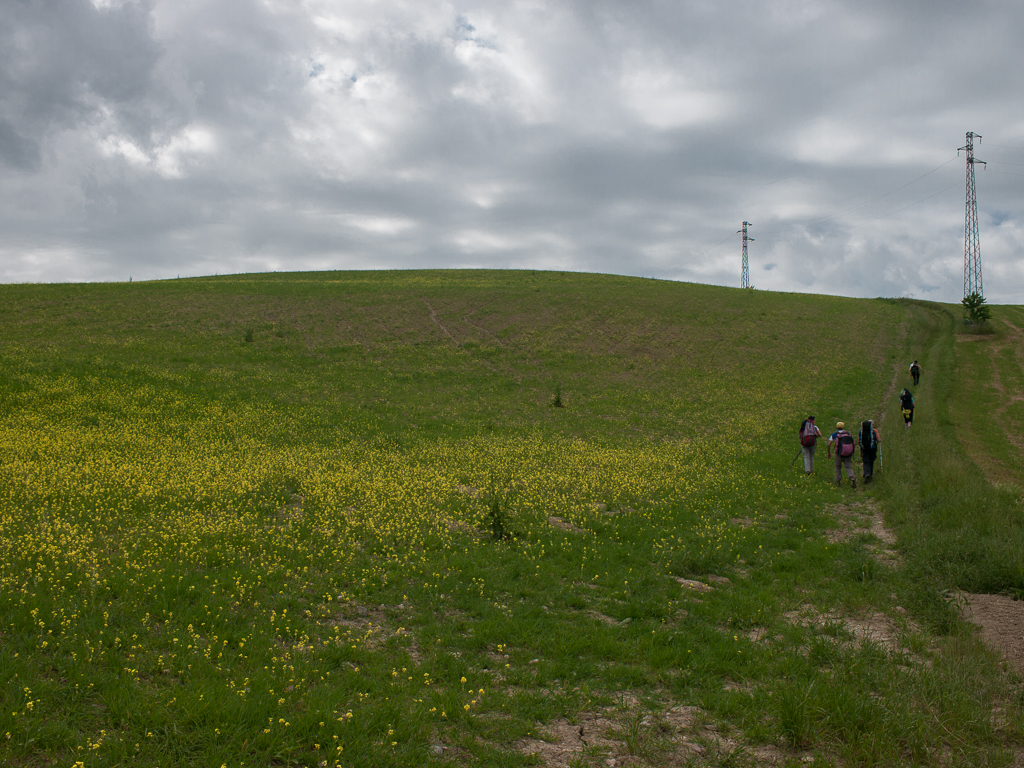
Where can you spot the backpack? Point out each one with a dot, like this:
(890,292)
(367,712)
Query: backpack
(844,444)
(915,369)
(906,400)
(807,434)
(867,435)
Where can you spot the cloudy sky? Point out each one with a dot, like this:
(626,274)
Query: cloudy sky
(191,137)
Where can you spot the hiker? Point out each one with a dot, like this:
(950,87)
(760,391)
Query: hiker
(907,407)
(915,372)
(869,441)
(809,435)
(844,453)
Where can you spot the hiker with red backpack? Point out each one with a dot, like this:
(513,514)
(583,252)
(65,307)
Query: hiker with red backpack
(844,453)
(809,435)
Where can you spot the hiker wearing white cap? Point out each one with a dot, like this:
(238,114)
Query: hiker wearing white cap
(844,453)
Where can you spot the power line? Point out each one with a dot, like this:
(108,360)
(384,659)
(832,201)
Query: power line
(884,215)
(745,277)
(898,210)
(707,251)
(874,199)
(717,245)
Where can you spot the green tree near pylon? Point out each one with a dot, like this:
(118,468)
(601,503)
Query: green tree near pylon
(975,309)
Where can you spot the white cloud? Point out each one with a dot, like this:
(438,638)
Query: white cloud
(170,158)
(665,97)
(109,4)
(378,225)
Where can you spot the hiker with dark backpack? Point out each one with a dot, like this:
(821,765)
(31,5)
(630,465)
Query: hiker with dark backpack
(868,441)
(844,453)
(809,435)
(907,407)
(915,372)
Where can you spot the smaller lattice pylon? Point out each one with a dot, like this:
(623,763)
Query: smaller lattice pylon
(745,270)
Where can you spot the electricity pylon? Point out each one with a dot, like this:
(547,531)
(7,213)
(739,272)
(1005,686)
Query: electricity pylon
(972,245)
(745,271)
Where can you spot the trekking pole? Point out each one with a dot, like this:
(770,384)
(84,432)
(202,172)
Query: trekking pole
(796,457)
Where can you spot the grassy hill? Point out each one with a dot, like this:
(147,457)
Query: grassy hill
(341,519)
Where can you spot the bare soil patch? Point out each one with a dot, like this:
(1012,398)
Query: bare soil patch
(374,626)
(562,525)
(872,627)
(696,586)
(1000,619)
(627,735)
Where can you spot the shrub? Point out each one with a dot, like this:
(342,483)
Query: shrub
(975,310)
(556,400)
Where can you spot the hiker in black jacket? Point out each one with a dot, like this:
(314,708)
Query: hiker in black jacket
(915,372)
(869,441)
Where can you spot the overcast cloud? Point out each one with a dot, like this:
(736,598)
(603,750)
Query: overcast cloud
(185,137)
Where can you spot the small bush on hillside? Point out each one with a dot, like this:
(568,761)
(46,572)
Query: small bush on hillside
(498,502)
(556,400)
(975,310)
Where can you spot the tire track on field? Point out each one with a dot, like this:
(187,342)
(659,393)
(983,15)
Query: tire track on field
(439,324)
(1006,399)
(506,369)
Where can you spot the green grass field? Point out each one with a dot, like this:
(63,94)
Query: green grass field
(338,519)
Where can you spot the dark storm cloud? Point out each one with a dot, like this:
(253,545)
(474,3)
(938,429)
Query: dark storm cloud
(159,138)
(61,61)
(17,151)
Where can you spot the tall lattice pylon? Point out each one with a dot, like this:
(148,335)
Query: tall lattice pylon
(745,270)
(972,245)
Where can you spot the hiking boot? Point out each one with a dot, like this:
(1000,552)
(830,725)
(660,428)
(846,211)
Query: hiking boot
(853,482)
